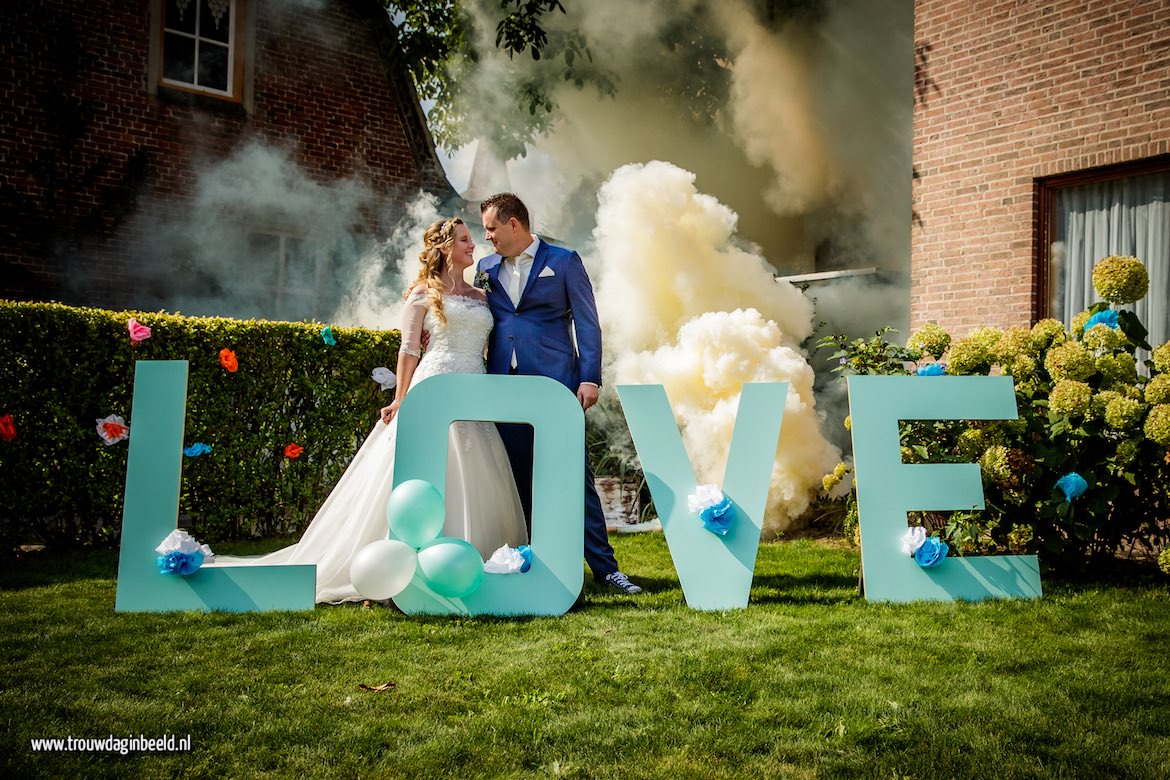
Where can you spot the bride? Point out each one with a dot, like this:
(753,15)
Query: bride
(482,505)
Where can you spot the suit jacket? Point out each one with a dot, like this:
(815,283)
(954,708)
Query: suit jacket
(557,299)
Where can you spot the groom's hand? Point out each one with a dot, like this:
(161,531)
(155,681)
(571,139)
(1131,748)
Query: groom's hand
(587,394)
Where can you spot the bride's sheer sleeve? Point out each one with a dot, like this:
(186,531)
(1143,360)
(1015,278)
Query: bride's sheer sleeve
(412,324)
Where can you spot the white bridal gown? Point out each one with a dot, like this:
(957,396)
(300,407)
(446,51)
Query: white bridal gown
(481,500)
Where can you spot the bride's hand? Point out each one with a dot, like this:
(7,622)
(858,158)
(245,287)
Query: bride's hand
(388,412)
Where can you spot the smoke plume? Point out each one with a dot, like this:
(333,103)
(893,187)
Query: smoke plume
(684,306)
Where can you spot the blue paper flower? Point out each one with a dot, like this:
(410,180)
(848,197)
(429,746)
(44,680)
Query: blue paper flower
(179,562)
(1072,485)
(197,449)
(1107,317)
(931,553)
(717,518)
(525,553)
(327,336)
(932,369)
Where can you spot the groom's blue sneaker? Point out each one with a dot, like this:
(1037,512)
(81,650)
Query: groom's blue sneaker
(622,582)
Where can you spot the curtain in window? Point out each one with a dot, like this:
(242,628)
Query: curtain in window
(1117,217)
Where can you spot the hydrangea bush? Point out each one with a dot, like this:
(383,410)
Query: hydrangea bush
(1084,409)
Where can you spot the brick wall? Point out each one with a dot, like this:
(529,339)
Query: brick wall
(84,143)
(1008,91)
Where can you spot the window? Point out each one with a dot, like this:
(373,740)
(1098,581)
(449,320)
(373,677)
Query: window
(287,273)
(1122,210)
(201,49)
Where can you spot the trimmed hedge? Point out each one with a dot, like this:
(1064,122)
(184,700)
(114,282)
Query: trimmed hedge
(63,368)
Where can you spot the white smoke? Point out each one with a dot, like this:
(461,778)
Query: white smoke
(682,305)
(375,296)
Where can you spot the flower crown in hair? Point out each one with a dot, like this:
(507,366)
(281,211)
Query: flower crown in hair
(447,231)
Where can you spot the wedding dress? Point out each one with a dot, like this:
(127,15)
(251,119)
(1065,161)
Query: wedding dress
(482,505)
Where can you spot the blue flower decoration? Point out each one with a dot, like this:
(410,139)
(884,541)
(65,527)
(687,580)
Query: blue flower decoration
(932,369)
(1107,317)
(1072,485)
(525,553)
(931,553)
(717,518)
(197,449)
(176,562)
(327,336)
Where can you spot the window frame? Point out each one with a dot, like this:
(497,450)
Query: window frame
(281,290)
(1046,189)
(241,57)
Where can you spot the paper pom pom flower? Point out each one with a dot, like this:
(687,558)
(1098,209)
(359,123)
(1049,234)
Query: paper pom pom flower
(138,331)
(7,428)
(931,552)
(180,554)
(1106,317)
(112,429)
(384,377)
(1072,485)
(197,449)
(927,551)
(227,359)
(328,337)
(713,507)
(913,539)
(293,450)
(509,560)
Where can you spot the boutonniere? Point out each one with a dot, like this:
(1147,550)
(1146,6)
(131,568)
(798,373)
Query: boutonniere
(483,281)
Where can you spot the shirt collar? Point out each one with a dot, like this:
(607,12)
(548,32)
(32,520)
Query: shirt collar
(530,252)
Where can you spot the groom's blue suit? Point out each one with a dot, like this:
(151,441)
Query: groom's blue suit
(556,301)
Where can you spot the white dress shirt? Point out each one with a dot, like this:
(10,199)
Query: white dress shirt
(514,272)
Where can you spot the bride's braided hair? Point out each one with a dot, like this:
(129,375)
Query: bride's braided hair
(438,235)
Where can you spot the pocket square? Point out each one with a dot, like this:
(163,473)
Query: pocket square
(546,271)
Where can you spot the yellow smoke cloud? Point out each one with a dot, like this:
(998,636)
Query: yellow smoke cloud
(684,306)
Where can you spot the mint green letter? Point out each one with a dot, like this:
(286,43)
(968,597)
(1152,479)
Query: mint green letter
(887,488)
(558,487)
(715,571)
(151,511)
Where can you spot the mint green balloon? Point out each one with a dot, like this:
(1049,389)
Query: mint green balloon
(415,512)
(450,567)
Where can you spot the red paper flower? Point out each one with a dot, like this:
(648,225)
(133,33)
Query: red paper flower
(112,429)
(293,450)
(227,359)
(7,428)
(138,331)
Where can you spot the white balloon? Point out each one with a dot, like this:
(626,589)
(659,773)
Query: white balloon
(383,569)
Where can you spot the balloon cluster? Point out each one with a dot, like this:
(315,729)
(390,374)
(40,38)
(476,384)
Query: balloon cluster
(448,566)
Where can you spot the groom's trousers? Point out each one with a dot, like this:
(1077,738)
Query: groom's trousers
(598,551)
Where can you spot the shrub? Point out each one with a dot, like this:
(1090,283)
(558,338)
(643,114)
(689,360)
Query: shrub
(66,367)
(1083,408)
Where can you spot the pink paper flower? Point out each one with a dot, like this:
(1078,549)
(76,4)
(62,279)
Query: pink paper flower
(112,429)
(138,331)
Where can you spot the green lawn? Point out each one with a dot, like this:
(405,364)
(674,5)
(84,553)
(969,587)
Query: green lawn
(809,681)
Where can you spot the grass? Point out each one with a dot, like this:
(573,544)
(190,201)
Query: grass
(809,681)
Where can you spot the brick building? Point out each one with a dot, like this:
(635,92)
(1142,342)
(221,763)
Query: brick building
(1041,144)
(115,114)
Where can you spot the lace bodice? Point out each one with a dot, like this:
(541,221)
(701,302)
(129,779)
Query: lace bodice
(456,347)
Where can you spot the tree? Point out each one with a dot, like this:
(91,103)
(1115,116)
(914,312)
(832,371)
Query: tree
(438,39)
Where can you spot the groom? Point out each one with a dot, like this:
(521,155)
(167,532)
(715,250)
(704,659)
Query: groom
(538,294)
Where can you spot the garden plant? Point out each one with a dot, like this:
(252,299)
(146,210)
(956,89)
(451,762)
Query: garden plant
(1083,475)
